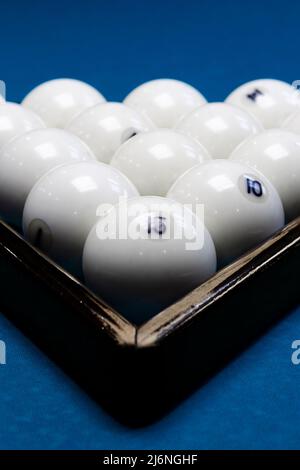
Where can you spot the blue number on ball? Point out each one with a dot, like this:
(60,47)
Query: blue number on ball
(252,96)
(254,187)
(157,225)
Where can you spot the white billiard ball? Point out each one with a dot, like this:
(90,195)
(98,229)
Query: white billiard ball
(154,160)
(271,101)
(164,252)
(26,158)
(276,154)
(16,120)
(292,123)
(64,204)
(164,101)
(60,100)
(241,207)
(220,127)
(106,126)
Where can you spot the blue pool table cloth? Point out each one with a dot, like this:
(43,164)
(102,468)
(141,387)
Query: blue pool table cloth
(253,403)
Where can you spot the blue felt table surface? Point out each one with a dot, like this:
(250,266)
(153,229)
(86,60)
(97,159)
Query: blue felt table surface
(116,45)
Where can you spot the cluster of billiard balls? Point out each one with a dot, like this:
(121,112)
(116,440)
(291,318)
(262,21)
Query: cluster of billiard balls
(65,151)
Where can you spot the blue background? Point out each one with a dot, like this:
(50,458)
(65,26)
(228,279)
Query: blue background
(116,45)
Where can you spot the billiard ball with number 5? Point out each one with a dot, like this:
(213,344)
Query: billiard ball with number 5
(241,207)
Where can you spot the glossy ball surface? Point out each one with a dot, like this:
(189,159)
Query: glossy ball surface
(165,101)
(219,127)
(292,123)
(63,206)
(276,154)
(16,120)
(105,127)
(271,101)
(60,100)
(26,158)
(241,207)
(154,264)
(154,160)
